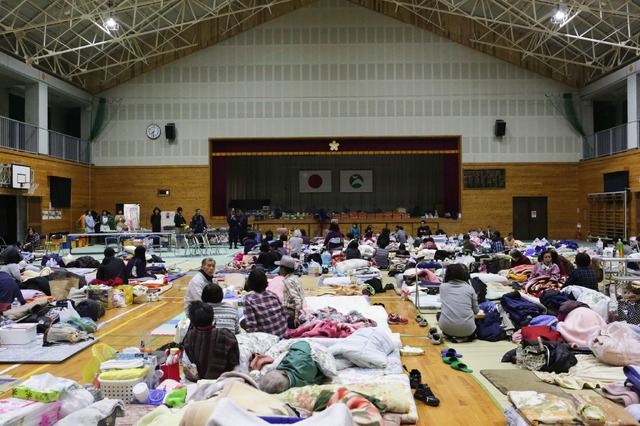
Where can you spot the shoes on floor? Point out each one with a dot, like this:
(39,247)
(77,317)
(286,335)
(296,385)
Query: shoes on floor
(389,286)
(425,394)
(415,377)
(436,339)
(379,304)
(422,322)
(396,319)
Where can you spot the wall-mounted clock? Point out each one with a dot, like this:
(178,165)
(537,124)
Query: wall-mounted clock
(153,131)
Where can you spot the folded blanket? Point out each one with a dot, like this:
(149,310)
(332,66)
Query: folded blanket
(618,392)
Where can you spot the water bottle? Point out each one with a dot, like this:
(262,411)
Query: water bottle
(240,309)
(600,246)
(519,359)
(620,248)
(16,303)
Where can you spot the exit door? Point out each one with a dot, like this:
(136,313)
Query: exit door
(529,217)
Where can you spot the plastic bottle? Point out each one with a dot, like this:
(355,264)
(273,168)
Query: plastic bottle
(620,248)
(519,359)
(600,246)
(15,304)
(240,308)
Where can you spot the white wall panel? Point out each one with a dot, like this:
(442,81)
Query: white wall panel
(335,69)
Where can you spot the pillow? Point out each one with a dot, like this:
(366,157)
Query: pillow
(346,265)
(320,354)
(490,278)
(366,347)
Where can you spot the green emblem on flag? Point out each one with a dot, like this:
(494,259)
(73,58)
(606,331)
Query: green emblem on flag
(356,181)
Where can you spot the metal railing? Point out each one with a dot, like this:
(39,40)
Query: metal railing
(69,148)
(17,135)
(606,142)
(24,137)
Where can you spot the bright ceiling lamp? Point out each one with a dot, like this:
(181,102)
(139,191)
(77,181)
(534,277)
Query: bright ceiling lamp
(110,23)
(559,15)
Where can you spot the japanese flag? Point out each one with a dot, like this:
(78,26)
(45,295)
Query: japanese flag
(315,180)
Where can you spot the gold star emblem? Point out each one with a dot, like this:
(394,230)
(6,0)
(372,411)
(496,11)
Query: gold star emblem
(333,146)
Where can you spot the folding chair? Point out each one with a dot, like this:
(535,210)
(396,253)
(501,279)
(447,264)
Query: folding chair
(180,241)
(54,244)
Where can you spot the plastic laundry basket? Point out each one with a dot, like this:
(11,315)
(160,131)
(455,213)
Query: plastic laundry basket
(119,389)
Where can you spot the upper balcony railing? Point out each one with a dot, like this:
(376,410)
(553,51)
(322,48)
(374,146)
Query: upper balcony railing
(19,136)
(607,142)
(69,148)
(24,137)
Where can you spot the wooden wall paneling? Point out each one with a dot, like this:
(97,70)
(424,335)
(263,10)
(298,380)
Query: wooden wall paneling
(80,175)
(556,181)
(591,180)
(188,186)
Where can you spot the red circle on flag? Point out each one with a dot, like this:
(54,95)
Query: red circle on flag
(315,181)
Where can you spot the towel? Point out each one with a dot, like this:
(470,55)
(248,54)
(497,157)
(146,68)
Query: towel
(618,392)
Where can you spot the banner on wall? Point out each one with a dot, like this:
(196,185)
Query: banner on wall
(315,180)
(356,181)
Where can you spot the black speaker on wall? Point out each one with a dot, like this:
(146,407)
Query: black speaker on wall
(170,131)
(500,128)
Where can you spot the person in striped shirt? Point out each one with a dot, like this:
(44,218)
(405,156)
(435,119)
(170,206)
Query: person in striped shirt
(225,315)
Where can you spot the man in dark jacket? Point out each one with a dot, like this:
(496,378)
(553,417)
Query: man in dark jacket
(111,267)
(9,290)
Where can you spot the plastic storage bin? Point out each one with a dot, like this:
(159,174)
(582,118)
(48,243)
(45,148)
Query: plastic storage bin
(119,389)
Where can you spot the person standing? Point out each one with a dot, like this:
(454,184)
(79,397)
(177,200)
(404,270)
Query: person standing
(105,218)
(179,221)
(156,220)
(293,291)
(120,220)
(197,223)
(232,220)
(87,221)
(199,281)
(243,224)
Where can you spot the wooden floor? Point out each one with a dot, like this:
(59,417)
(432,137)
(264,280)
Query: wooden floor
(463,399)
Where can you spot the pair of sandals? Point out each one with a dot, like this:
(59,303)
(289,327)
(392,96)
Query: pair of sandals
(422,391)
(451,357)
(436,338)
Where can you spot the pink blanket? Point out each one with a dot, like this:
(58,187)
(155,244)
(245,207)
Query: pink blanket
(326,328)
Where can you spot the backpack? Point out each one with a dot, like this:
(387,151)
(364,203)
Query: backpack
(376,284)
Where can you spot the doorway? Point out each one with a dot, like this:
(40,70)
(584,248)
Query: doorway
(529,217)
(9,213)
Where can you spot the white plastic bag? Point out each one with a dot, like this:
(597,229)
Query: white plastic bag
(68,312)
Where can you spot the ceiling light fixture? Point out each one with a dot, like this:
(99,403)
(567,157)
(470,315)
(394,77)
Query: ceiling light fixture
(110,23)
(559,15)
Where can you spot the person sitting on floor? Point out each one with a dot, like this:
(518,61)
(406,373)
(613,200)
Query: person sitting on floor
(250,242)
(295,244)
(266,259)
(467,246)
(352,251)
(199,281)
(11,254)
(293,292)
(509,241)
(137,266)
(497,244)
(402,251)
(31,240)
(545,268)
(262,308)
(584,275)
(9,290)
(456,318)
(517,258)
(225,314)
(111,267)
(334,239)
(297,369)
(211,350)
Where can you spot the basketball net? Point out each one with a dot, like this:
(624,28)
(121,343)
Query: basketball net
(32,188)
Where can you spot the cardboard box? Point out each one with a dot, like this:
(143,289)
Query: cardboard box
(102,296)
(18,334)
